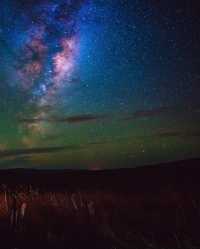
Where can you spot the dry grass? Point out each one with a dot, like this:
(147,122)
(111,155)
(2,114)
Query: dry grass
(100,218)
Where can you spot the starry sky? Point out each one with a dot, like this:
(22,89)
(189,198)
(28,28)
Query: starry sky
(98,84)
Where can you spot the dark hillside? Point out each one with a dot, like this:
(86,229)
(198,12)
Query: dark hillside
(148,207)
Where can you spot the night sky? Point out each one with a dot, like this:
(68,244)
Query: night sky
(98,84)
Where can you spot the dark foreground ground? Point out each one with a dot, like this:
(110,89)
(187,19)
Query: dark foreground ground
(149,207)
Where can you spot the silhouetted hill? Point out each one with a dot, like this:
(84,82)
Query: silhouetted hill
(153,206)
(183,174)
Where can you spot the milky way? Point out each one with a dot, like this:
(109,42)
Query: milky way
(46,48)
(49,48)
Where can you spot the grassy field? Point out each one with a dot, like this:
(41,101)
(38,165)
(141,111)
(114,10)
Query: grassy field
(151,207)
